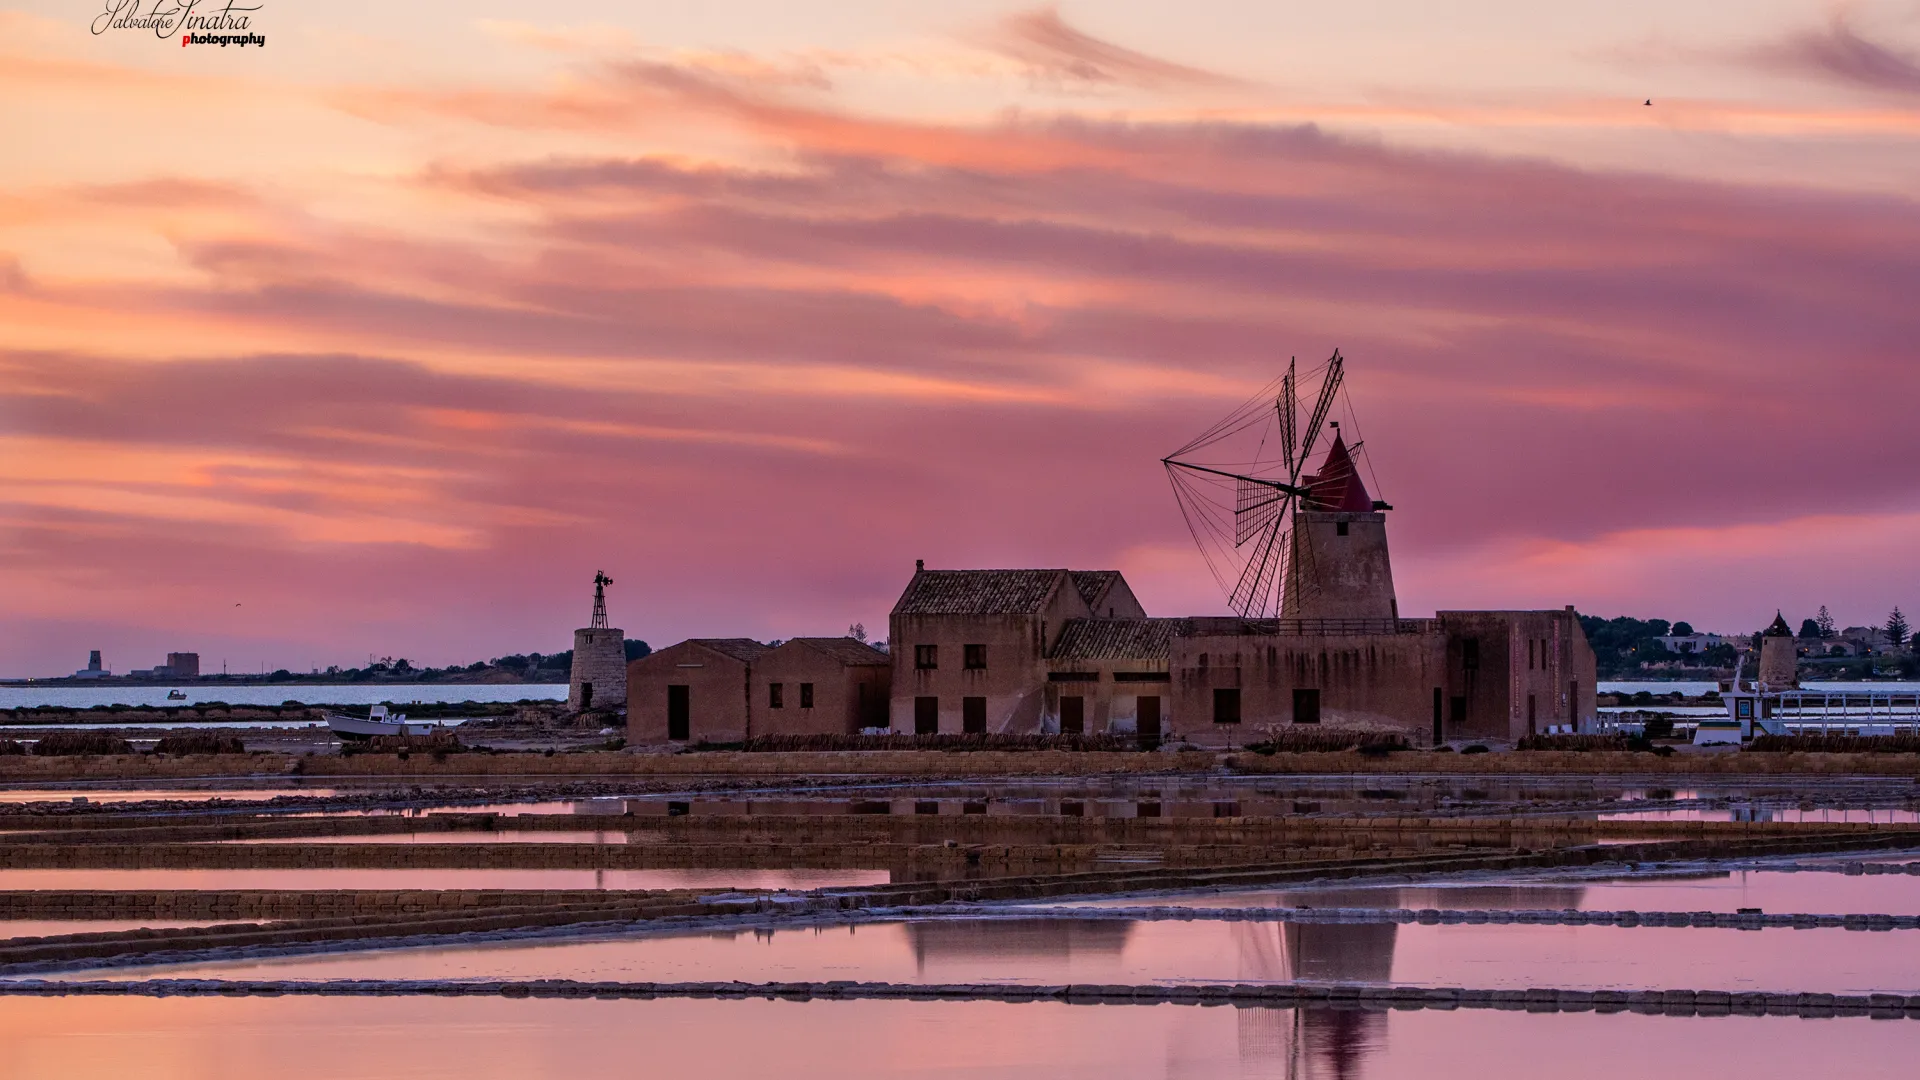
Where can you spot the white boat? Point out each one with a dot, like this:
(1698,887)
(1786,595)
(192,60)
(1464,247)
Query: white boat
(378,722)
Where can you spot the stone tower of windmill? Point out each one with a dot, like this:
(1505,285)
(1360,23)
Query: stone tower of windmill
(1779,662)
(599,676)
(1339,561)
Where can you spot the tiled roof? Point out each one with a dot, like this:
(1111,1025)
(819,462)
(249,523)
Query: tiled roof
(846,650)
(745,650)
(977,592)
(1093,584)
(1118,639)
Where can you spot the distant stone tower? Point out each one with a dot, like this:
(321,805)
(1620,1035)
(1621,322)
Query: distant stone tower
(599,677)
(1779,665)
(1337,566)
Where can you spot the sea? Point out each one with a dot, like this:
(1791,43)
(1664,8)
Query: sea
(86,697)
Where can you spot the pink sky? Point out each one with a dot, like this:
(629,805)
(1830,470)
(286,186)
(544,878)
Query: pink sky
(384,337)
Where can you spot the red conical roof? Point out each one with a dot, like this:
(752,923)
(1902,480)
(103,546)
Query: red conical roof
(1337,487)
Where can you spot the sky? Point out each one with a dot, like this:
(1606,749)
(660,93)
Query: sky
(384,336)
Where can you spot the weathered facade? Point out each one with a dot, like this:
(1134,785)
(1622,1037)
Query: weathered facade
(727,690)
(700,690)
(1460,675)
(970,647)
(598,679)
(820,686)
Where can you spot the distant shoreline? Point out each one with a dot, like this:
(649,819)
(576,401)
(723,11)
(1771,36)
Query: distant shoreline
(241,680)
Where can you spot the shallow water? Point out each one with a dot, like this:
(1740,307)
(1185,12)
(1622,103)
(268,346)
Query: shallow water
(1772,891)
(412,878)
(145,794)
(423,1038)
(86,697)
(21,928)
(1068,950)
(462,837)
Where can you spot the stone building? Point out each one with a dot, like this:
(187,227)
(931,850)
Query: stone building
(727,690)
(820,686)
(1031,651)
(700,690)
(598,679)
(970,647)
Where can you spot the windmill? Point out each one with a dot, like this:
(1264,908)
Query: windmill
(1239,483)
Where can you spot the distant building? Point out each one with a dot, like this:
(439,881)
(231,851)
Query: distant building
(183,665)
(1691,643)
(93,670)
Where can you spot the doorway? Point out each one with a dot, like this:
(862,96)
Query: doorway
(926,716)
(679,713)
(1148,724)
(1073,715)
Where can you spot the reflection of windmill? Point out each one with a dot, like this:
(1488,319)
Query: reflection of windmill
(1241,482)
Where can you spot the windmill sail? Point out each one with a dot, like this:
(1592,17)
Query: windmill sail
(1239,482)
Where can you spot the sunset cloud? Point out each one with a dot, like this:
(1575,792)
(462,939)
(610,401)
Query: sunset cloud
(712,322)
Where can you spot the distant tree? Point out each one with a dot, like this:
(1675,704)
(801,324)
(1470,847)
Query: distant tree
(1809,629)
(401,666)
(1896,628)
(282,674)
(1825,622)
(858,631)
(637,649)
(477,665)
(1683,629)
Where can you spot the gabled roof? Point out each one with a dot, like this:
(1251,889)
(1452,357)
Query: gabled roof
(1337,486)
(745,650)
(1093,584)
(844,649)
(1118,639)
(978,592)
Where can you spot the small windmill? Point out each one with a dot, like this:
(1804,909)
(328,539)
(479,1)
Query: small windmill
(1239,482)
(600,583)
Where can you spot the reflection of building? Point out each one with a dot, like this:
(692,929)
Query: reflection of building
(995,939)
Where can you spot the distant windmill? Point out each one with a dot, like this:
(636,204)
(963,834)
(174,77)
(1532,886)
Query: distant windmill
(1239,483)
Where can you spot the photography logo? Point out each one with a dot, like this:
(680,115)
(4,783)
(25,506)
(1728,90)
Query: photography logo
(195,22)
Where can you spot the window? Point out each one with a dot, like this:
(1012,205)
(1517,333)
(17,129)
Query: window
(926,716)
(1458,709)
(806,695)
(1306,705)
(1226,705)
(973,715)
(1340,528)
(1533,712)
(974,657)
(926,657)
(1073,715)
(776,695)
(1470,654)
(1530,644)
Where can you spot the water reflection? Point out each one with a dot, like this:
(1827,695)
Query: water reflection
(1062,940)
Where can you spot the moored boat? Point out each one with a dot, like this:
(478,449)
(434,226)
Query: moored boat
(378,721)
